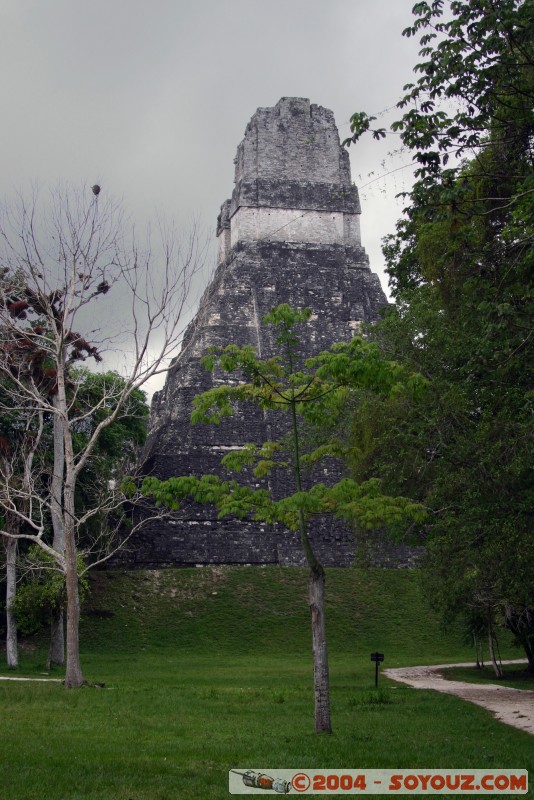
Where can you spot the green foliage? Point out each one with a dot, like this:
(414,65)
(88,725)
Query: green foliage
(96,395)
(36,601)
(262,458)
(43,595)
(466,323)
(117,446)
(461,270)
(476,73)
(312,394)
(93,397)
(362,502)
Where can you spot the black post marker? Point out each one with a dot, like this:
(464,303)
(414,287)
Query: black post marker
(377,658)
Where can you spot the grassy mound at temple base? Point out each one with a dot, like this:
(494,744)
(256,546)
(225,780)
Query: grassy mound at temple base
(264,610)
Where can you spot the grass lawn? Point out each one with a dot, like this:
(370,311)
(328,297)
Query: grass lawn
(205,670)
(514,675)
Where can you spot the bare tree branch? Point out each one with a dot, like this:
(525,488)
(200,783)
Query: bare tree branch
(64,262)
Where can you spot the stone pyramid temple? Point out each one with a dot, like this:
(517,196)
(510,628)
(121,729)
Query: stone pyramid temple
(289,234)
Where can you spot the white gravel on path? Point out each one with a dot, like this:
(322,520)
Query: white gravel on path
(511,706)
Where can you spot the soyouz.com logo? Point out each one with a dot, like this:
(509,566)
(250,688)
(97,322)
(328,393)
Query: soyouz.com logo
(379,781)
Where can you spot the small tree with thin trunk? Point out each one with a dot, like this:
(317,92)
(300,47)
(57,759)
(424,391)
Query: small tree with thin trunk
(20,434)
(61,264)
(37,597)
(310,393)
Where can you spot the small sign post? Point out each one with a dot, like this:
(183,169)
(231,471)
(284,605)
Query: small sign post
(377,658)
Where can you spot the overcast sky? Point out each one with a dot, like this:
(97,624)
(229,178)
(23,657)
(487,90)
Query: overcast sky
(150,100)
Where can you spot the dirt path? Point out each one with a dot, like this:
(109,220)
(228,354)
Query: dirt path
(511,706)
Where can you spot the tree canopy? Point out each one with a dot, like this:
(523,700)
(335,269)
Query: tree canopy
(461,271)
(309,393)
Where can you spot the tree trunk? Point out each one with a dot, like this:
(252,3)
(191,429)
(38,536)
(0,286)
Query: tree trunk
(529,651)
(11,589)
(496,667)
(73,674)
(475,645)
(321,683)
(316,582)
(522,626)
(56,653)
(479,653)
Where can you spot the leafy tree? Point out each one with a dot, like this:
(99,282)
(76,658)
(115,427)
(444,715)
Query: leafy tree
(41,597)
(309,393)
(461,271)
(475,77)
(113,456)
(20,432)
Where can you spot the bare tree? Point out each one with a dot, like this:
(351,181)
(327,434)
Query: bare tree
(61,262)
